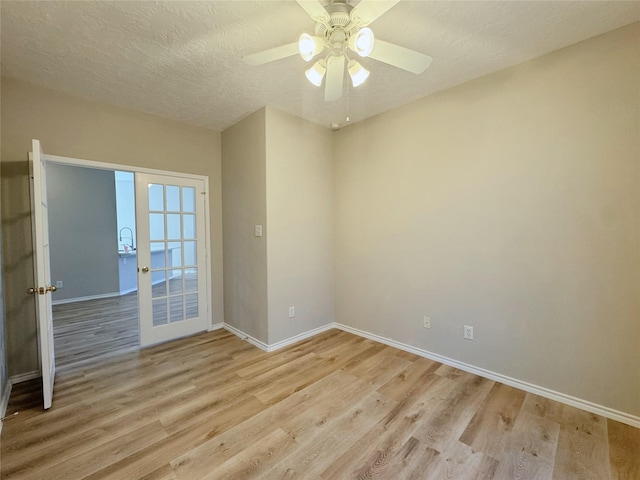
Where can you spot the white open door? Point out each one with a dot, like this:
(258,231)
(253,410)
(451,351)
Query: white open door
(172,260)
(42,273)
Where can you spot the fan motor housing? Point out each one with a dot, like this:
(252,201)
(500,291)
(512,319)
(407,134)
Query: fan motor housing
(340,19)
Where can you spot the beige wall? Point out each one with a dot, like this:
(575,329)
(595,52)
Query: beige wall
(4,372)
(4,377)
(300,225)
(74,127)
(512,204)
(277,172)
(244,205)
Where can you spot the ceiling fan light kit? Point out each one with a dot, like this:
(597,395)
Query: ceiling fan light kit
(340,29)
(362,42)
(316,73)
(357,73)
(309,46)
(336,42)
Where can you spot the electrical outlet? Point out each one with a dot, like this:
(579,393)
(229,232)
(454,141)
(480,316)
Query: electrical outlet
(257,230)
(427,322)
(59,284)
(468,332)
(292,312)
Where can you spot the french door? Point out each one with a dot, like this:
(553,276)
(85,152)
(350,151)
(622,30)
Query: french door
(172,257)
(42,271)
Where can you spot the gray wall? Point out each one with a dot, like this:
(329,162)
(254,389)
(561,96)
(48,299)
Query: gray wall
(512,204)
(82,231)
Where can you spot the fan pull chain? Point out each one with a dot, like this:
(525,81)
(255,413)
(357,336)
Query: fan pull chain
(348,105)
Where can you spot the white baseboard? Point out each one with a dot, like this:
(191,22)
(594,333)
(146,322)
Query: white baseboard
(253,341)
(282,343)
(84,299)
(301,336)
(606,412)
(24,377)
(216,326)
(4,401)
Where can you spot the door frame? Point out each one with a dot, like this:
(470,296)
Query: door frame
(78,162)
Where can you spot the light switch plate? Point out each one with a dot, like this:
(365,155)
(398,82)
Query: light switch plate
(258,230)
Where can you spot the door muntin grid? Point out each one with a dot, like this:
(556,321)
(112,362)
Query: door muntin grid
(173,248)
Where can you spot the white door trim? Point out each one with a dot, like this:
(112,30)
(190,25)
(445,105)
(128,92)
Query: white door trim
(79,162)
(116,166)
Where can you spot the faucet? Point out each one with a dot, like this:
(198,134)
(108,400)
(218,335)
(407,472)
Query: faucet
(130,236)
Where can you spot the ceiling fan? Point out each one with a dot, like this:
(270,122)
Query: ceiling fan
(342,33)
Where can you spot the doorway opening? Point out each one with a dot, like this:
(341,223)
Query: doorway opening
(92,237)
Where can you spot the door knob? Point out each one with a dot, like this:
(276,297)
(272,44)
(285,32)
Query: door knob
(40,290)
(145,269)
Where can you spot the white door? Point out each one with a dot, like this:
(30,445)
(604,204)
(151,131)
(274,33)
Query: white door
(172,257)
(42,273)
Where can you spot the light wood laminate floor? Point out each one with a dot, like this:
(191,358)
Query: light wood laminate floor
(332,407)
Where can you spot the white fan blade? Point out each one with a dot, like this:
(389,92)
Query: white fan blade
(404,58)
(315,10)
(368,10)
(272,54)
(335,77)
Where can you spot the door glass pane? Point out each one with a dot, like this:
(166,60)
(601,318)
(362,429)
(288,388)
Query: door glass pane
(156,197)
(189,253)
(175,308)
(188,199)
(175,281)
(175,254)
(173,226)
(190,280)
(159,312)
(158,284)
(192,305)
(157,255)
(156,226)
(173,198)
(189,226)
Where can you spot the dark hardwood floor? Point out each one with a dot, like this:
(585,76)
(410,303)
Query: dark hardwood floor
(332,407)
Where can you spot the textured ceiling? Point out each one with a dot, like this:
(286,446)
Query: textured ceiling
(182,59)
